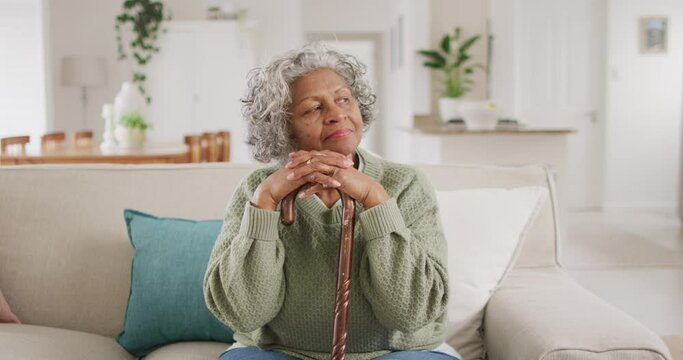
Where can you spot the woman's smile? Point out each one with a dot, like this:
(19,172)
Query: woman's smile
(339,134)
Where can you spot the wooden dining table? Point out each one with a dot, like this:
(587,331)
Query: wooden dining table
(147,154)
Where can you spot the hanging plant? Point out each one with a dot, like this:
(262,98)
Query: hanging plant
(145,18)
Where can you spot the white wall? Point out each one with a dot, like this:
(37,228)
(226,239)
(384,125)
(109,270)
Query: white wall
(502,66)
(405,89)
(401,81)
(72,33)
(22,65)
(355,16)
(280,26)
(643,108)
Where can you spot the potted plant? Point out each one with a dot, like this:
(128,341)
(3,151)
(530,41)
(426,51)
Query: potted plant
(145,18)
(130,131)
(453,59)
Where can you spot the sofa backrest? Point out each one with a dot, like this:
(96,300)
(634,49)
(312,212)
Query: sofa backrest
(65,257)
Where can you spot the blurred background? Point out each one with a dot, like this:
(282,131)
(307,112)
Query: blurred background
(593,88)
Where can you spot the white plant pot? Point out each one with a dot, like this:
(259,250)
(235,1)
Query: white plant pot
(128,101)
(448,108)
(479,115)
(129,138)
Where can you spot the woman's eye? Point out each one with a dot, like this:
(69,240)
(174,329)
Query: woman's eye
(312,109)
(344,100)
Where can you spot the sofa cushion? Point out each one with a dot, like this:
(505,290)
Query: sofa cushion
(166,302)
(484,229)
(39,342)
(544,314)
(191,350)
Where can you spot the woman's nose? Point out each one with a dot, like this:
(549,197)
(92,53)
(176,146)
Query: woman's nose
(334,113)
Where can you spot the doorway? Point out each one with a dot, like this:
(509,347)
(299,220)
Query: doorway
(552,57)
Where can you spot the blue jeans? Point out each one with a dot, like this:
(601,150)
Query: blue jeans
(254,353)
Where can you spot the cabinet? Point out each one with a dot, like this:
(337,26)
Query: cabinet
(549,146)
(196,82)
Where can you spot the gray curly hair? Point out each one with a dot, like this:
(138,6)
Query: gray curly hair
(268,98)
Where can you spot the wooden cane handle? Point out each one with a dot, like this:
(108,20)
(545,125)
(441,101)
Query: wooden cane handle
(342,296)
(287,213)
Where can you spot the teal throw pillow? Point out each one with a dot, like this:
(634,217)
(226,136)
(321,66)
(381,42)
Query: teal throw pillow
(166,301)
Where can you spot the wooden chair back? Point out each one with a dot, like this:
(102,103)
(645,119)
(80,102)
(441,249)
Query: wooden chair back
(52,141)
(194,148)
(209,146)
(9,145)
(82,139)
(223,140)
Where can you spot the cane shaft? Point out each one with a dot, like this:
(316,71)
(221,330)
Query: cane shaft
(341,304)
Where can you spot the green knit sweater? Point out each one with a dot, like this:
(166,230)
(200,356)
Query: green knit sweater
(275,285)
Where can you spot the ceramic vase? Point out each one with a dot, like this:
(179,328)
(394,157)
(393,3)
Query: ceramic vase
(479,115)
(129,138)
(128,101)
(448,109)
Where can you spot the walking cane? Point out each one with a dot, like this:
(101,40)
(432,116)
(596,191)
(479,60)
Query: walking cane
(341,305)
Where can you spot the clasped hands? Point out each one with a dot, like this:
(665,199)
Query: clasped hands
(324,170)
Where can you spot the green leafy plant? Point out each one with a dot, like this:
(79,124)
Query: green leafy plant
(134,121)
(453,59)
(145,18)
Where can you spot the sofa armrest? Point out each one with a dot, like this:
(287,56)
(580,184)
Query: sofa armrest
(543,313)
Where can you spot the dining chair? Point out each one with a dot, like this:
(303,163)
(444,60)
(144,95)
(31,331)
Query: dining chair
(52,141)
(82,139)
(9,145)
(209,147)
(223,140)
(194,148)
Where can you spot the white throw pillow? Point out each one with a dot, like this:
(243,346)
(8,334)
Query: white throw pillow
(484,229)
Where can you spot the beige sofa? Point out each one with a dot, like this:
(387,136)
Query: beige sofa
(65,263)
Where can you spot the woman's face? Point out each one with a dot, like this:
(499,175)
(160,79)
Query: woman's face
(325,115)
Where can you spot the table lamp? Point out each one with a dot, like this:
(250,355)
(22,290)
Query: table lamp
(83,72)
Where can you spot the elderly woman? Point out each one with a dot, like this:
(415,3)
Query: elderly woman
(275,285)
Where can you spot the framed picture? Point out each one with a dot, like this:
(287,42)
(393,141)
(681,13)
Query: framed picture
(653,34)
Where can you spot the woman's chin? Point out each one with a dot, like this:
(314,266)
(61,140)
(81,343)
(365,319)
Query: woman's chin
(345,148)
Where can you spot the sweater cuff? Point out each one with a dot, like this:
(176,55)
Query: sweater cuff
(381,220)
(260,224)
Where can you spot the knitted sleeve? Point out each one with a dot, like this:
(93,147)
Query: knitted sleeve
(244,283)
(403,271)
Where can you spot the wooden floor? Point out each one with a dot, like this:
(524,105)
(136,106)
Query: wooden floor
(675,344)
(633,259)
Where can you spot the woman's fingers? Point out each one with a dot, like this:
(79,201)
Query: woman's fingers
(310,191)
(325,156)
(311,167)
(322,181)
